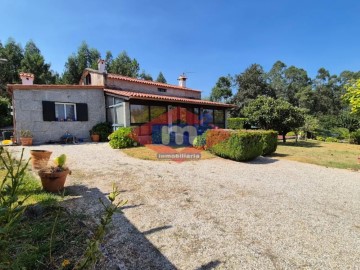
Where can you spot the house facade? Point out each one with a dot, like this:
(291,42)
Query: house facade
(48,111)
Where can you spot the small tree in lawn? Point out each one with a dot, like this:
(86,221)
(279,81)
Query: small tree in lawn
(277,114)
(311,123)
(352,96)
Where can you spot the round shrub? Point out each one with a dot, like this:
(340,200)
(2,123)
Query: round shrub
(320,138)
(200,141)
(122,138)
(331,139)
(355,137)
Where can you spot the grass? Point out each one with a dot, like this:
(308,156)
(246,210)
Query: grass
(335,155)
(150,152)
(31,242)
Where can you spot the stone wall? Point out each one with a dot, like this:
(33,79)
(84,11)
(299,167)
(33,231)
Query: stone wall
(28,112)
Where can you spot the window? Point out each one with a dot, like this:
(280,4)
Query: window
(139,114)
(208,116)
(88,79)
(115,111)
(61,111)
(158,114)
(163,90)
(65,112)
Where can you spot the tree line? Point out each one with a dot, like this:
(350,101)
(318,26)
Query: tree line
(319,100)
(30,59)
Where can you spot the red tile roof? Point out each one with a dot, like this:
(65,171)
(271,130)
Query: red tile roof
(164,85)
(12,87)
(26,75)
(143,96)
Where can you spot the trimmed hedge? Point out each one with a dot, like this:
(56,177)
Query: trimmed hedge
(122,138)
(270,140)
(236,123)
(216,136)
(241,145)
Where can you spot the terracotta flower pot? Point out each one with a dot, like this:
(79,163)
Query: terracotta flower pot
(39,158)
(26,141)
(53,181)
(95,137)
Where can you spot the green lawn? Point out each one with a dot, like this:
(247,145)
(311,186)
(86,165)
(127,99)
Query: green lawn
(44,226)
(336,155)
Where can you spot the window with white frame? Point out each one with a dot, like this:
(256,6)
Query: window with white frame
(65,111)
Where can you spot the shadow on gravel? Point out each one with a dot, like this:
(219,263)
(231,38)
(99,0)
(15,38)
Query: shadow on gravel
(263,160)
(125,247)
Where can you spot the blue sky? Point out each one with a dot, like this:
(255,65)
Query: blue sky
(210,38)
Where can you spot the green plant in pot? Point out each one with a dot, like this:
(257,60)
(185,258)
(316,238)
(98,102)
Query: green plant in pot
(53,178)
(95,137)
(26,137)
(103,130)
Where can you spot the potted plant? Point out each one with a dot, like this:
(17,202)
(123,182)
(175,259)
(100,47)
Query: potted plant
(39,158)
(53,178)
(95,137)
(103,130)
(26,137)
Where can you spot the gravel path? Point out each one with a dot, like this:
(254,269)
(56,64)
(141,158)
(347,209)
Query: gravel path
(220,214)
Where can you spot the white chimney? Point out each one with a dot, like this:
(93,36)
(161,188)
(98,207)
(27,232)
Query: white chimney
(101,65)
(182,80)
(27,78)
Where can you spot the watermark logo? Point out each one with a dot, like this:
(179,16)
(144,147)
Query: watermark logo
(171,135)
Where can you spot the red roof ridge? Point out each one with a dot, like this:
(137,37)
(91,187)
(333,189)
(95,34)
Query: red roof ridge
(140,95)
(130,79)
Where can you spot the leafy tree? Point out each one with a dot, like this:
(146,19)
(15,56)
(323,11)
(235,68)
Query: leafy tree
(161,78)
(9,70)
(145,76)
(251,84)
(277,114)
(222,89)
(328,93)
(352,96)
(6,118)
(296,80)
(125,66)
(34,62)
(84,58)
(276,79)
(311,123)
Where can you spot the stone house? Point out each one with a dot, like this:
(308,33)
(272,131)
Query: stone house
(48,111)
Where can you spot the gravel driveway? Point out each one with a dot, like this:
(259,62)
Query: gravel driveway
(220,214)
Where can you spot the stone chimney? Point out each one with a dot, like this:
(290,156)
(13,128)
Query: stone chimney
(101,65)
(27,78)
(182,80)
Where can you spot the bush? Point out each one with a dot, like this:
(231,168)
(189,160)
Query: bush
(340,133)
(331,139)
(320,138)
(103,130)
(215,136)
(270,139)
(122,138)
(237,123)
(355,137)
(235,145)
(200,141)
(6,118)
